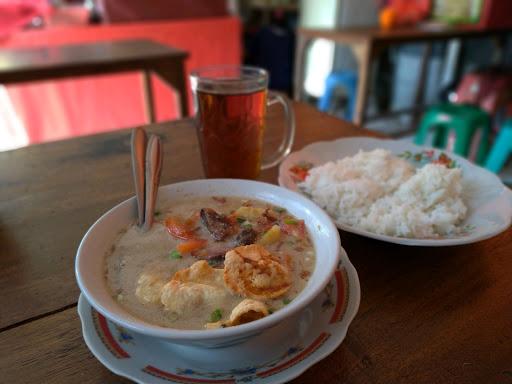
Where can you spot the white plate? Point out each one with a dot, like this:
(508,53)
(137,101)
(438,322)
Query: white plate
(276,356)
(488,200)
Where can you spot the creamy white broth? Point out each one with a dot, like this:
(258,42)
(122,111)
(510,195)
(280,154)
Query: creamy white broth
(154,254)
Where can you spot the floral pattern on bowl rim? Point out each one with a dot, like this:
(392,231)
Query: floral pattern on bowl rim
(132,355)
(428,156)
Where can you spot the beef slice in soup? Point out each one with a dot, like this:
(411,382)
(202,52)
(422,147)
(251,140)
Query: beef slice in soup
(246,237)
(217,224)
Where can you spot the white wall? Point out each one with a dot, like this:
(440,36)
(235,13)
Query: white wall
(319,59)
(353,13)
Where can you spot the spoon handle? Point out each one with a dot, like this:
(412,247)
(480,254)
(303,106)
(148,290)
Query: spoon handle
(138,143)
(154,159)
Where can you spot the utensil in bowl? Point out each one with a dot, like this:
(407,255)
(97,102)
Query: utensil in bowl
(138,145)
(153,171)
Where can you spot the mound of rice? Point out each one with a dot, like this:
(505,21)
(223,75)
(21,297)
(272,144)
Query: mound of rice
(382,193)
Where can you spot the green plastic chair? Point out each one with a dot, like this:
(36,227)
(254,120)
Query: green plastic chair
(465,121)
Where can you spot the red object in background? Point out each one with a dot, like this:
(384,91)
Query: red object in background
(406,12)
(61,109)
(489,90)
(496,14)
(116,11)
(15,14)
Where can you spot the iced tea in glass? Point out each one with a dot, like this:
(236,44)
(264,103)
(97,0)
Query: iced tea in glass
(231,105)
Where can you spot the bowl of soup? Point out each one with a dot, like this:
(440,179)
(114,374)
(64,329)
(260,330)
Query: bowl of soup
(225,260)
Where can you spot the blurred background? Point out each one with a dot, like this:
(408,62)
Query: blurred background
(433,71)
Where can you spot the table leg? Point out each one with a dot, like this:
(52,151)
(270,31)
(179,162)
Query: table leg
(499,57)
(422,81)
(300,61)
(362,52)
(148,96)
(173,73)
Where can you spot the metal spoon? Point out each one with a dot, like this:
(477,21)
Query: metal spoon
(138,143)
(154,159)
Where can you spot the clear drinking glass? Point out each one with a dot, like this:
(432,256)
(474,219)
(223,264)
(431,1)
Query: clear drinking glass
(231,105)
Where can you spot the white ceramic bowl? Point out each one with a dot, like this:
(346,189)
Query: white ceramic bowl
(89,265)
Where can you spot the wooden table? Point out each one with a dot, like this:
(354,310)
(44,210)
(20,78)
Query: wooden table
(58,62)
(427,315)
(367,44)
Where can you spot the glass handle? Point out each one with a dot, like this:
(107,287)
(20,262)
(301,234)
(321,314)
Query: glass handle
(287,142)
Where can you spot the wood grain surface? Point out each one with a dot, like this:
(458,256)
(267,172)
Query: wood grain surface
(52,193)
(33,64)
(403,34)
(427,315)
(99,58)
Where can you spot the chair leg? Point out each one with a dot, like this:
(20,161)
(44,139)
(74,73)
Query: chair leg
(325,101)
(352,89)
(500,150)
(423,130)
(483,148)
(149,103)
(463,139)
(440,136)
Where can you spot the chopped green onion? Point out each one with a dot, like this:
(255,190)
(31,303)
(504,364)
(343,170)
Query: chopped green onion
(247,225)
(290,221)
(279,210)
(216,315)
(286,301)
(175,255)
(240,219)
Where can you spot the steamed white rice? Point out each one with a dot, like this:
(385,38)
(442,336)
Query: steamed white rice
(385,194)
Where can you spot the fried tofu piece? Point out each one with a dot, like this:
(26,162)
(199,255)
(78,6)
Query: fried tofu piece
(182,298)
(149,287)
(253,272)
(201,272)
(246,311)
(192,287)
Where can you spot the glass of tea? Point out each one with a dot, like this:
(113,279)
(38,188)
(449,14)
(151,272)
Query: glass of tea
(231,105)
